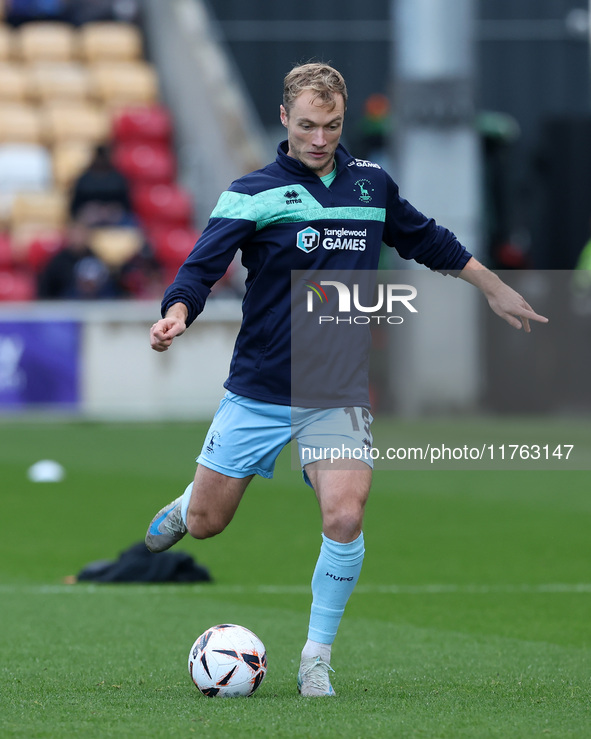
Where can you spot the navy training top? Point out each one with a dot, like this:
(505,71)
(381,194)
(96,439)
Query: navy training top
(284,218)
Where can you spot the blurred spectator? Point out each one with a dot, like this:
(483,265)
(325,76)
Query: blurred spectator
(93,281)
(75,272)
(23,11)
(71,11)
(86,11)
(141,276)
(57,277)
(100,195)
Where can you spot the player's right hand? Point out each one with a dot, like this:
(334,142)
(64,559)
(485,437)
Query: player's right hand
(164,331)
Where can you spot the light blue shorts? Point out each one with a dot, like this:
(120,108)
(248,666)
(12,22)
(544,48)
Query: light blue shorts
(246,436)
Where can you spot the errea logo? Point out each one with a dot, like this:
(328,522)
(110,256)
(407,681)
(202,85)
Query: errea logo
(308,239)
(291,197)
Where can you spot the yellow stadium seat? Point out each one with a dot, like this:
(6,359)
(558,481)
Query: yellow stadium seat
(75,122)
(69,159)
(13,82)
(59,81)
(127,83)
(22,234)
(20,123)
(6,42)
(110,41)
(117,245)
(46,41)
(48,208)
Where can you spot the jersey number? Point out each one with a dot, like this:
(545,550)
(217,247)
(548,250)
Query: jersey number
(365,418)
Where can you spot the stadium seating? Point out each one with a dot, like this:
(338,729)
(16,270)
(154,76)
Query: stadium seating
(36,216)
(63,90)
(6,43)
(46,41)
(53,81)
(69,158)
(173,245)
(14,84)
(41,249)
(115,246)
(48,208)
(143,124)
(6,254)
(162,205)
(20,123)
(31,239)
(71,121)
(24,167)
(16,285)
(145,163)
(117,84)
(110,41)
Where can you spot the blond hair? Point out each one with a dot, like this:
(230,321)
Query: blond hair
(322,79)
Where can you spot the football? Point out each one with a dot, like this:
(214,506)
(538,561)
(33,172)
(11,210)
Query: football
(228,661)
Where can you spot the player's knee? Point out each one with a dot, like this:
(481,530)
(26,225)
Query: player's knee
(205,526)
(343,525)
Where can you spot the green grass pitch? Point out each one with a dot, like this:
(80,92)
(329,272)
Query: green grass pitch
(472,617)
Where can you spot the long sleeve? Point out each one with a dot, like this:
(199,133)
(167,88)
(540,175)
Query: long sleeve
(417,237)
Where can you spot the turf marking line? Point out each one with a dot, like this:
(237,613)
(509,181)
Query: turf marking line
(213,589)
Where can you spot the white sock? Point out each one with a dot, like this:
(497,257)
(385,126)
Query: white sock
(185,502)
(317,649)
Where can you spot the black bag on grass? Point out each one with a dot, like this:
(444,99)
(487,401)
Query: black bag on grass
(137,564)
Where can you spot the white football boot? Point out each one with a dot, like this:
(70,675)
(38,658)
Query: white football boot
(313,678)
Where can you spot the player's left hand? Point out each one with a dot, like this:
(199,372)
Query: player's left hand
(512,307)
(504,300)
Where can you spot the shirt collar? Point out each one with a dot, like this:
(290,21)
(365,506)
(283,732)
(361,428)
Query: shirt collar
(342,158)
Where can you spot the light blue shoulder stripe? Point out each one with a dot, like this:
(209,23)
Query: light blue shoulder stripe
(235,205)
(288,204)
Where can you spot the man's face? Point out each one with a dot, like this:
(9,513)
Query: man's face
(314,131)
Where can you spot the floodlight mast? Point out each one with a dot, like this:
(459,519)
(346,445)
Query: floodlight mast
(433,74)
(436,155)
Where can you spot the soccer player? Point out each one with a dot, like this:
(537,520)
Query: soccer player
(271,215)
